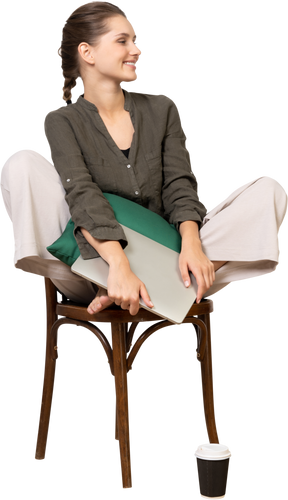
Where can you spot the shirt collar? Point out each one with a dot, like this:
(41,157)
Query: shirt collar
(89,105)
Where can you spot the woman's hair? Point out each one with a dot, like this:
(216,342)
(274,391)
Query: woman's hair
(87,24)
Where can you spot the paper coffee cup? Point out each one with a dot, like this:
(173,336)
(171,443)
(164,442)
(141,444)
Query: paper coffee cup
(212,468)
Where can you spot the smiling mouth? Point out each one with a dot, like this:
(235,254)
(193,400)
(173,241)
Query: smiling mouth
(132,65)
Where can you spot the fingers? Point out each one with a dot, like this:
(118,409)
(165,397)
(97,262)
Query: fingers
(185,274)
(204,274)
(187,281)
(133,306)
(204,278)
(145,296)
(125,289)
(131,302)
(201,290)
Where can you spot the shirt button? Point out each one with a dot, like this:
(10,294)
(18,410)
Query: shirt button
(128,166)
(68,180)
(136,192)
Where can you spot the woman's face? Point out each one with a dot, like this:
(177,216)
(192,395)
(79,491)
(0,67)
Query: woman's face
(115,55)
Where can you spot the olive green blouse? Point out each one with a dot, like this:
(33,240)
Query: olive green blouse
(157,174)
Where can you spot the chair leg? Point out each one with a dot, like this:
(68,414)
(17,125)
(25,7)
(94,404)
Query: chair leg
(122,420)
(207,385)
(49,374)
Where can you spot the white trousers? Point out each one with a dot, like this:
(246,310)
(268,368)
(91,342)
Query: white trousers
(242,230)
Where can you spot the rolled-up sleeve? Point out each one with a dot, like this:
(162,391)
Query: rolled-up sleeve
(88,207)
(179,190)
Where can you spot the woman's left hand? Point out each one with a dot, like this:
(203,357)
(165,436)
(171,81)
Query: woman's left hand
(194,260)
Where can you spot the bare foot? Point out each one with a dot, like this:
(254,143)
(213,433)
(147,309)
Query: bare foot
(100,302)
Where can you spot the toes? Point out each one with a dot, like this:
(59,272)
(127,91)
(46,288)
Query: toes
(95,306)
(105,301)
(99,303)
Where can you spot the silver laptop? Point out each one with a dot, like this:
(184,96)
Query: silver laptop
(155,265)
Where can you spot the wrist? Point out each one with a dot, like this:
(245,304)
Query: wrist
(190,234)
(110,250)
(118,259)
(190,245)
(189,229)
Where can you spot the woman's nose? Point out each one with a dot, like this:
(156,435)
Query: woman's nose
(135,50)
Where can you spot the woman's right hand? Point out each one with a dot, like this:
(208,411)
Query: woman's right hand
(125,288)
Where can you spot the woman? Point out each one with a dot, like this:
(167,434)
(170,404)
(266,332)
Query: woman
(133,145)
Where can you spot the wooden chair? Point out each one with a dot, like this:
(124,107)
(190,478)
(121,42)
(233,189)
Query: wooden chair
(120,364)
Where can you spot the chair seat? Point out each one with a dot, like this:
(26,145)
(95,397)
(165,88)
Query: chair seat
(113,313)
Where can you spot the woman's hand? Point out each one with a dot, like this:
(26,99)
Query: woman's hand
(124,287)
(193,259)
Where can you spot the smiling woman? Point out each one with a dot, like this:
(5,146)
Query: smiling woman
(132,145)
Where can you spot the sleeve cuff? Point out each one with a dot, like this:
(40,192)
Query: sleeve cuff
(102,233)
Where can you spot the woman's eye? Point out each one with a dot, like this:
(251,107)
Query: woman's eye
(124,41)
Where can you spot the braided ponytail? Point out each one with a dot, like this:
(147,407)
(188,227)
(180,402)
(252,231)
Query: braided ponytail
(69,83)
(87,24)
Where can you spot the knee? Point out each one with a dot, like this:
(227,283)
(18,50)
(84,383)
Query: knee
(273,179)
(274,189)
(24,154)
(271,185)
(22,162)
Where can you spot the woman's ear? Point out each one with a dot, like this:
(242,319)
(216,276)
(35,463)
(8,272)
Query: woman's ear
(86,52)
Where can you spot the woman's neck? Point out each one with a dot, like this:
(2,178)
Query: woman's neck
(108,99)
